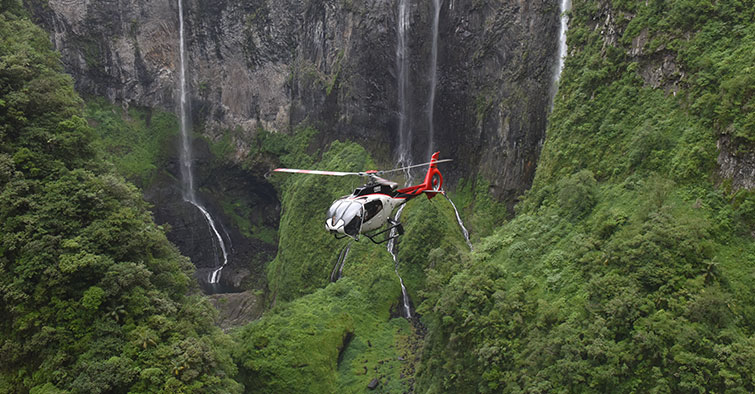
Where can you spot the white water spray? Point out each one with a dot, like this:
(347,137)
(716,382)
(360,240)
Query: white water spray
(337,272)
(392,250)
(185,157)
(215,275)
(402,65)
(461,224)
(433,78)
(565,5)
(187,178)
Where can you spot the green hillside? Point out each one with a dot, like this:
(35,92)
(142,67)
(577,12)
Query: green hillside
(94,297)
(629,266)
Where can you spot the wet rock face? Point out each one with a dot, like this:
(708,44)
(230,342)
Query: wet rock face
(497,62)
(237,309)
(735,163)
(331,63)
(246,212)
(123,51)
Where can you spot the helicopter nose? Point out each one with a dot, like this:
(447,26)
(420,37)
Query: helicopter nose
(334,225)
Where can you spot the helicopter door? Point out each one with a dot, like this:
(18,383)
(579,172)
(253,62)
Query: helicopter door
(371,209)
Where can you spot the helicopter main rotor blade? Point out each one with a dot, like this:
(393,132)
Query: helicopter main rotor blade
(366,173)
(413,166)
(316,172)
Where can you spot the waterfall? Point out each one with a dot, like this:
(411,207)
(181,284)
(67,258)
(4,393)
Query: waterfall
(565,5)
(392,250)
(461,224)
(433,78)
(215,275)
(187,178)
(340,261)
(402,65)
(185,159)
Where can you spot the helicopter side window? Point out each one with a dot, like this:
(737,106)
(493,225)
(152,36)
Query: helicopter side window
(372,208)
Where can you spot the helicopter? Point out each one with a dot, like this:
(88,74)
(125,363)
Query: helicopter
(367,210)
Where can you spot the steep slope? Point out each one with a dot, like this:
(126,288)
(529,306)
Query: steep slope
(340,337)
(628,267)
(94,297)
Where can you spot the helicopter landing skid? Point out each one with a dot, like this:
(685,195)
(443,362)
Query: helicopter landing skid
(394,225)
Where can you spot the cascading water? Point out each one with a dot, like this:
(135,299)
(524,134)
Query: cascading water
(433,78)
(392,250)
(461,224)
(564,7)
(340,261)
(402,65)
(187,176)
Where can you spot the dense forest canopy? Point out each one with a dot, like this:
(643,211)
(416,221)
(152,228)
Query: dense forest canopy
(94,297)
(628,267)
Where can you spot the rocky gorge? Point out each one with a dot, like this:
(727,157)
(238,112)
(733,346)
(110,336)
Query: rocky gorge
(278,65)
(624,264)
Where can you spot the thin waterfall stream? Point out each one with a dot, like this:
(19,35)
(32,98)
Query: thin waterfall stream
(433,78)
(340,261)
(461,224)
(402,65)
(185,156)
(564,7)
(392,250)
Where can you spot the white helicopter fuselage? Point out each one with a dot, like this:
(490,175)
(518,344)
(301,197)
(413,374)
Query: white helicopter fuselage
(370,207)
(361,212)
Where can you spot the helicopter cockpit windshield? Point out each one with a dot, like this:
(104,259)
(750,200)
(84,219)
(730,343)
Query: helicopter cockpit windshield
(345,217)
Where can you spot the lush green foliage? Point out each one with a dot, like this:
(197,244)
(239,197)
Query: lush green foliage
(133,139)
(94,297)
(301,265)
(337,337)
(480,210)
(718,58)
(334,340)
(625,268)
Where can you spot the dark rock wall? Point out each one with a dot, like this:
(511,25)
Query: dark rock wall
(230,194)
(328,63)
(496,69)
(331,63)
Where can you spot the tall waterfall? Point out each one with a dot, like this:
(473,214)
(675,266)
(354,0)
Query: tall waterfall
(402,66)
(392,250)
(433,78)
(187,176)
(565,6)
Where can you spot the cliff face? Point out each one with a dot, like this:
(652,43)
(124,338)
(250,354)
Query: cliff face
(331,64)
(276,64)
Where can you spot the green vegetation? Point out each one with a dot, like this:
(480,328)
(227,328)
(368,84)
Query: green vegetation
(625,268)
(133,139)
(337,337)
(330,341)
(478,208)
(94,297)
